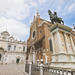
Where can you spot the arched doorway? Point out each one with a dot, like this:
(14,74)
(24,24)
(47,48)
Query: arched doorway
(17,60)
(0,57)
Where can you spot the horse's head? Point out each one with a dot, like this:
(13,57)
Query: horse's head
(49,12)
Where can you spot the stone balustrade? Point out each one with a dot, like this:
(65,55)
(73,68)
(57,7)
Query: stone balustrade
(48,70)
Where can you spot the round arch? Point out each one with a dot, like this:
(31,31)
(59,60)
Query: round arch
(18,58)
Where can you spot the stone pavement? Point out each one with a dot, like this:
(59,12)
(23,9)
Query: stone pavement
(12,69)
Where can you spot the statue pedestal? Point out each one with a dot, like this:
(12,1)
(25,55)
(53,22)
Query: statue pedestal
(63,60)
(63,47)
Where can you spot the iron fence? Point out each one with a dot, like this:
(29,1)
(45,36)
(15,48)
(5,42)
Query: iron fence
(35,70)
(27,68)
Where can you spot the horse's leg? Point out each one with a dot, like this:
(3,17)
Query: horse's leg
(63,22)
(52,22)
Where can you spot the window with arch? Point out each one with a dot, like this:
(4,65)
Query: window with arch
(14,47)
(51,47)
(33,35)
(9,47)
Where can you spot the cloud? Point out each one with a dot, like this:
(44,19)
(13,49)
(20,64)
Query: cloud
(15,28)
(17,9)
(62,7)
(13,13)
(42,1)
(71,8)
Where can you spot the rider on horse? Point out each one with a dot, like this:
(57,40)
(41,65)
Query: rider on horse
(54,18)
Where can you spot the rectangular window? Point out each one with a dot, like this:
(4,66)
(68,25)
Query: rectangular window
(9,47)
(14,47)
(23,48)
(51,47)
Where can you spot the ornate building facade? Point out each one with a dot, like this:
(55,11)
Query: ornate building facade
(38,45)
(51,43)
(11,50)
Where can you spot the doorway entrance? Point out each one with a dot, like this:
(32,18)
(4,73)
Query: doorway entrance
(17,60)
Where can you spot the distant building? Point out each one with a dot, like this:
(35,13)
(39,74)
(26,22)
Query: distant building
(11,50)
(51,43)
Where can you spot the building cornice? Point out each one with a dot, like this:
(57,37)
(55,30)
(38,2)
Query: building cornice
(12,42)
(15,52)
(60,26)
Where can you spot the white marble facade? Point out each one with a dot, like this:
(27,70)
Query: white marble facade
(11,50)
(63,47)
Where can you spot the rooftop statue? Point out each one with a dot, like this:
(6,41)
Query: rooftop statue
(54,18)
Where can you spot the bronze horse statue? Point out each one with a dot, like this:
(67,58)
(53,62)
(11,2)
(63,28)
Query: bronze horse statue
(54,18)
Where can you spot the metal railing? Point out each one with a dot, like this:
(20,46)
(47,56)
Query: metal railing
(35,70)
(27,68)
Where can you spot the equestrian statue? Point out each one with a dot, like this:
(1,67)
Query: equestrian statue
(54,18)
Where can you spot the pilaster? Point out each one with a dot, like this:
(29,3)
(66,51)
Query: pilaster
(72,43)
(53,44)
(60,50)
(46,58)
(67,46)
(33,57)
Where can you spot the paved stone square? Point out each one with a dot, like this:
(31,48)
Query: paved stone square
(12,69)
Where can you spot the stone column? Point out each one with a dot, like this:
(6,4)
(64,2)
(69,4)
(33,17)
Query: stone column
(59,43)
(33,57)
(72,43)
(45,58)
(67,46)
(25,67)
(53,44)
(30,64)
(41,69)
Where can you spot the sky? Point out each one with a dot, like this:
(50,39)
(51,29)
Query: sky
(16,15)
